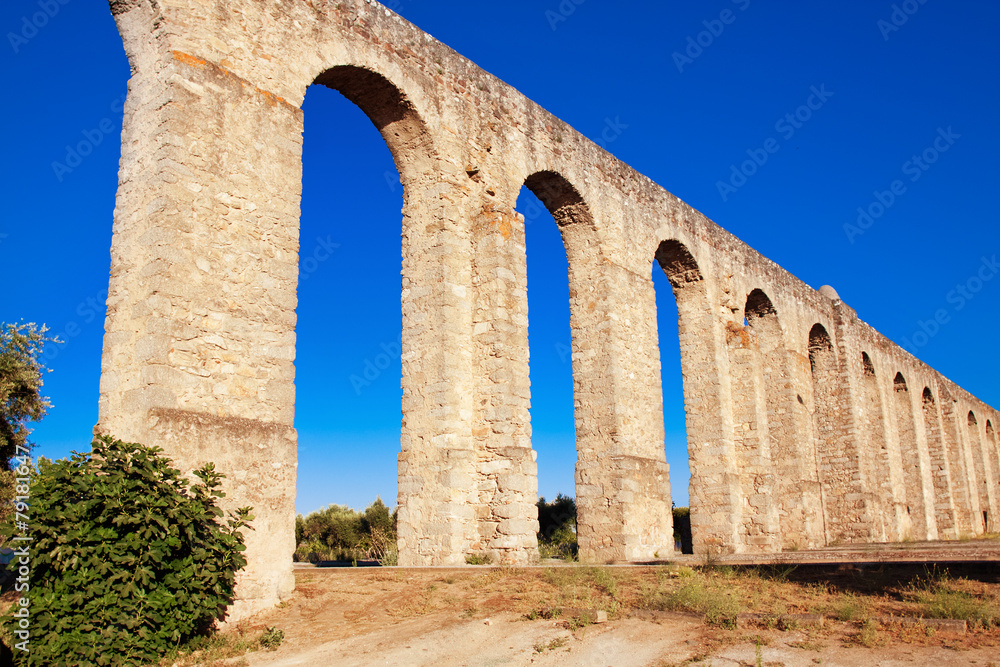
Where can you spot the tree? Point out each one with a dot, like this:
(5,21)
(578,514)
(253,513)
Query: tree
(21,400)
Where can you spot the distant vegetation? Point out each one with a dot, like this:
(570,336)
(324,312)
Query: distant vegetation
(339,533)
(557,528)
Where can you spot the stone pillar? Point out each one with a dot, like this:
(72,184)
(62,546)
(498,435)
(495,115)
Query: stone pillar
(913,469)
(991,459)
(944,502)
(799,469)
(200,332)
(506,469)
(749,348)
(887,468)
(961,479)
(622,477)
(714,489)
(957,433)
(438,462)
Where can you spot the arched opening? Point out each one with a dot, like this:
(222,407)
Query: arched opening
(621,480)
(359,424)
(963,487)
(755,370)
(886,468)
(832,463)
(910,457)
(550,340)
(979,459)
(943,502)
(672,385)
(992,473)
(713,481)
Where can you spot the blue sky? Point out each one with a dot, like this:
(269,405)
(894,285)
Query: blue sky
(683,92)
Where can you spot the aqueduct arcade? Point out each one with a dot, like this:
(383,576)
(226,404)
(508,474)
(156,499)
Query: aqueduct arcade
(805,426)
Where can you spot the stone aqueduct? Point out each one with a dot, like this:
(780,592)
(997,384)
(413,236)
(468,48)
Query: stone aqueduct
(805,426)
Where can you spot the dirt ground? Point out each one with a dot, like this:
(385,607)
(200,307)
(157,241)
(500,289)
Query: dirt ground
(538,616)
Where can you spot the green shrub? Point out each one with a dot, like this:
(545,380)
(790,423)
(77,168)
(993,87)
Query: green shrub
(557,528)
(129,560)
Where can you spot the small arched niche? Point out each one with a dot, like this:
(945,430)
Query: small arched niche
(762,318)
(867,365)
(820,348)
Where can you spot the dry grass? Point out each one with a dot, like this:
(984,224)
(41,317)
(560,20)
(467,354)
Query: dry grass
(854,604)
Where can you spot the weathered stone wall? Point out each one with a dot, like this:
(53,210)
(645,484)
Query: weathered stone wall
(805,426)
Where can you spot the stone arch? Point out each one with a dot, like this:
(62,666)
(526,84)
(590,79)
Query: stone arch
(980,463)
(834,469)
(884,460)
(762,317)
(993,472)
(960,463)
(755,362)
(430,530)
(391,112)
(714,492)
(943,501)
(910,457)
(622,479)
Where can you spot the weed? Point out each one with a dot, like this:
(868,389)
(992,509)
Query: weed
(478,559)
(604,580)
(848,608)
(558,642)
(871,635)
(719,607)
(946,603)
(222,646)
(271,638)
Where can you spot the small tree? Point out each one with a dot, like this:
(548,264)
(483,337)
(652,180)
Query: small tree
(21,374)
(21,401)
(129,560)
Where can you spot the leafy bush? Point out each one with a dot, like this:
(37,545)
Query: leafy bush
(557,528)
(129,560)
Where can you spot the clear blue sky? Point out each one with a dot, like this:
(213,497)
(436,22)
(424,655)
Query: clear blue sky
(683,120)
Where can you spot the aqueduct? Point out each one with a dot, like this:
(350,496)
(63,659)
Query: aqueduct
(805,426)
